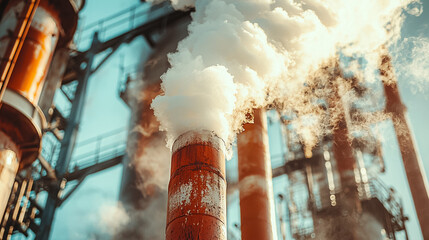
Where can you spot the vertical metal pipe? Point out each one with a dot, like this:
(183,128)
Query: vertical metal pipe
(36,54)
(197,188)
(8,168)
(15,40)
(255,180)
(68,142)
(34,37)
(417,179)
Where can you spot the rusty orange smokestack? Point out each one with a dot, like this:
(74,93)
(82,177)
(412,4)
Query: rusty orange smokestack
(255,180)
(21,120)
(197,188)
(416,176)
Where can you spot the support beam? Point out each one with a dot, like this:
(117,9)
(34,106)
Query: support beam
(97,167)
(52,83)
(67,144)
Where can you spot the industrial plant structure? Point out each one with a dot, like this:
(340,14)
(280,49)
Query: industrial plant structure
(333,191)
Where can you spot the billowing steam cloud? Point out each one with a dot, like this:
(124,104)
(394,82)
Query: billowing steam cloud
(244,54)
(143,199)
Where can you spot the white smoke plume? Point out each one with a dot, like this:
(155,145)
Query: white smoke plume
(244,54)
(146,174)
(114,221)
(111,218)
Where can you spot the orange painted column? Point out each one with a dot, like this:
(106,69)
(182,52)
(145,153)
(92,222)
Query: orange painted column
(36,53)
(12,42)
(20,117)
(21,120)
(197,188)
(255,181)
(417,179)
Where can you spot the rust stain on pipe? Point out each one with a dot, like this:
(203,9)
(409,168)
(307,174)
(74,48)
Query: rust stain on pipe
(197,188)
(20,117)
(255,180)
(36,53)
(416,175)
(11,53)
(21,120)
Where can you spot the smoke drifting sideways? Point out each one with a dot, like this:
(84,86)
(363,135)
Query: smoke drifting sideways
(142,210)
(245,54)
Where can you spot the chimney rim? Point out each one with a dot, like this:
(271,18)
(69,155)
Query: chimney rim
(200,137)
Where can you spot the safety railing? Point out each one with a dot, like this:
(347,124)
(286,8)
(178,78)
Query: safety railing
(99,149)
(119,23)
(304,233)
(377,190)
(388,198)
(50,148)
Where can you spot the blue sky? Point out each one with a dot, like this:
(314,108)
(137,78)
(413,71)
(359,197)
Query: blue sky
(105,111)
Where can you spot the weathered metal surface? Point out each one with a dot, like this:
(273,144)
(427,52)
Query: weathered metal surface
(36,53)
(197,188)
(417,179)
(255,180)
(14,28)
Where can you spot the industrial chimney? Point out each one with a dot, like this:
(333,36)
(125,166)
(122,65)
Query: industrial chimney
(197,188)
(255,180)
(416,175)
(143,190)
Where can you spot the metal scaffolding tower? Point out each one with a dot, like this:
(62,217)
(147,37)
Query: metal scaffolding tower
(54,169)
